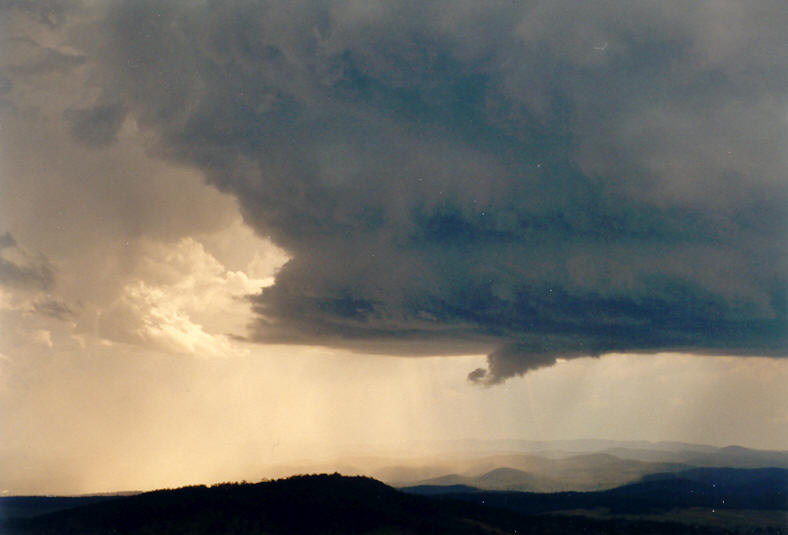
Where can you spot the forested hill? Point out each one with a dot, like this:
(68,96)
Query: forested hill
(710,488)
(313,504)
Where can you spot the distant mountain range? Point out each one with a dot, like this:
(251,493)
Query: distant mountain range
(354,505)
(540,466)
(539,474)
(567,447)
(476,487)
(714,488)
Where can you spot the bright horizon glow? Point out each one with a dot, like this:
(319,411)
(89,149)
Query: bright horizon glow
(155,421)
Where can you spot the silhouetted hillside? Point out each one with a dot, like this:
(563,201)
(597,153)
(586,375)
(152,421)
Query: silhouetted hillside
(713,488)
(438,490)
(737,480)
(29,506)
(314,504)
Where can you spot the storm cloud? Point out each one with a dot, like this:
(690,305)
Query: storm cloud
(532,180)
(97,126)
(20,269)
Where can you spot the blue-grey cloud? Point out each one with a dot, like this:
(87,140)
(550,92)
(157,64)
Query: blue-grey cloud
(97,126)
(23,270)
(54,309)
(535,180)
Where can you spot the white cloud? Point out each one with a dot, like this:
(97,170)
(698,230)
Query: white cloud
(181,300)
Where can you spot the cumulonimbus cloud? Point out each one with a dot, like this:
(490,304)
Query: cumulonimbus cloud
(535,180)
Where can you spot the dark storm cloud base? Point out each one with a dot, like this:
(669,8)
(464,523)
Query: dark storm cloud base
(549,182)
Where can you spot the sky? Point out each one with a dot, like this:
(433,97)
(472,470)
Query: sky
(234,233)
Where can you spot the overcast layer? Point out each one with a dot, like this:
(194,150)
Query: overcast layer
(528,180)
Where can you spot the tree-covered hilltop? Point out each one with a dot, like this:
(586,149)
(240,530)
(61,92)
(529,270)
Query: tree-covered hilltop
(320,504)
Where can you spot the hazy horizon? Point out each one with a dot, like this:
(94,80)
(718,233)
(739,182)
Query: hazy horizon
(416,463)
(214,425)
(237,234)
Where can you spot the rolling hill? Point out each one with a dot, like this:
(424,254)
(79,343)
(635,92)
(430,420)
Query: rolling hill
(532,473)
(717,488)
(321,504)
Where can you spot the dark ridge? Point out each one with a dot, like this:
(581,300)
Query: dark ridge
(30,506)
(436,490)
(712,488)
(316,504)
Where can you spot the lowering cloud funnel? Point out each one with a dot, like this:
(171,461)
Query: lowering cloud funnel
(448,178)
